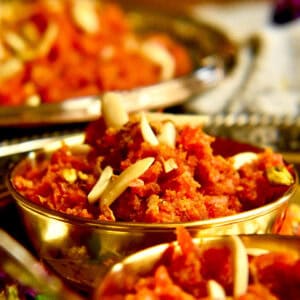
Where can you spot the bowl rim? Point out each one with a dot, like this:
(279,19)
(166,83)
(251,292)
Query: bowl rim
(125,226)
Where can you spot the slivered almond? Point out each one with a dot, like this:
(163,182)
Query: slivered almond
(3,51)
(85,15)
(15,41)
(243,158)
(147,132)
(47,40)
(215,290)
(120,184)
(31,32)
(179,119)
(167,134)
(80,149)
(170,165)
(55,5)
(100,185)
(137,183)
(160,56)
(10,67)
(239,260)
(240,266)
(113,111)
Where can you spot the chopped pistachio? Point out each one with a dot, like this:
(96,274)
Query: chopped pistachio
(280,175)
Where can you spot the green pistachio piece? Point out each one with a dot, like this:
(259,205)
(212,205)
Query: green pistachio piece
(280,175)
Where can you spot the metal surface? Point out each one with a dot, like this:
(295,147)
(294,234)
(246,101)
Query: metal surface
(280,133)
(141,263)
(212,51)
(82,250)
(26,270)
(88,108)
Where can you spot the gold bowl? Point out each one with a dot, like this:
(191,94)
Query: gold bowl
(83,250)
(122,277)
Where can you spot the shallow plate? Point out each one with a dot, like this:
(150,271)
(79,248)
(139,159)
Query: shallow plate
(212,51)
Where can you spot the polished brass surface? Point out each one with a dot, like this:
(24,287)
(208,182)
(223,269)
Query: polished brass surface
(82,250)
(26,271)
(143,262)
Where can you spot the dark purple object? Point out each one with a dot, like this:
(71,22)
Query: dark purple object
(286,11)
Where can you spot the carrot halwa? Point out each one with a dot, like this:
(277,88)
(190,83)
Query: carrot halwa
(210,271)
(137,172)
(52,50)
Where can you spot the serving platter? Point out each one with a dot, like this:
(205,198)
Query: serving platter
(212,51)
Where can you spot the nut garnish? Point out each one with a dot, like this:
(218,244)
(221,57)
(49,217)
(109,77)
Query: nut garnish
(10,67)
(239,261)
(47,40)
(170,165)
(167,134)
(85,16)
(80,149)
(243,158)
(113,111)
(159,55)
(69,175)
(279,175)
(31,33)
(15,42)
(147,132)
(121,182)
(215,290)
(100,185)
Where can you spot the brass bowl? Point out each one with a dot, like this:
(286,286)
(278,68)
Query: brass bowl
(82,250)
(141,264)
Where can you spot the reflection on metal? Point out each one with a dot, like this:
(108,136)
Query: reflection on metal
(26,270)
(54,231)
